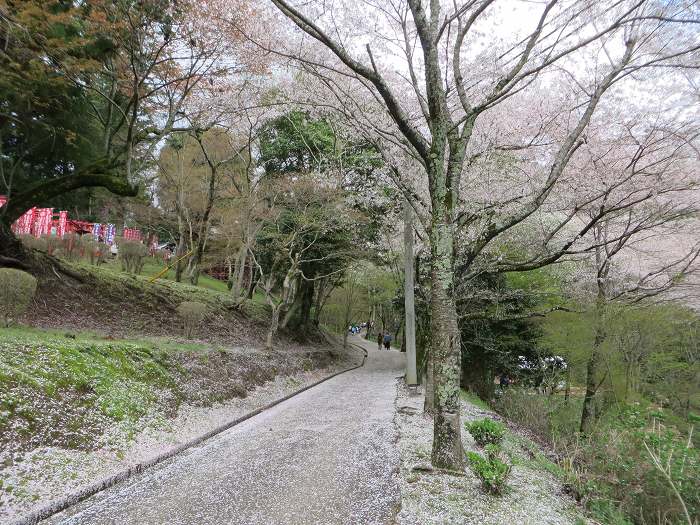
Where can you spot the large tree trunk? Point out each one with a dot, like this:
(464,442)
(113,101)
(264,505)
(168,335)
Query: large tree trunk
(409,299)
(429,404)
(286,299)
(179,253)
(592,367)
(253,278)
(274,324)
(237,283)
(10,246)
(445,351)
(307,301)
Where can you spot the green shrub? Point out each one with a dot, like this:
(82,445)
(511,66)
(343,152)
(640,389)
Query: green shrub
(33,243)
(71,246)
(486,431)
(132,255)
(17,290)
(192,313)
(490,469)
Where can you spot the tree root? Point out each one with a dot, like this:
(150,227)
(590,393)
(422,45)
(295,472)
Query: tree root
(11,262)
(430,469)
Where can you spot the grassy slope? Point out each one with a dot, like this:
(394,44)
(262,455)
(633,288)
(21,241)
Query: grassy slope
(58,390)
(152,268)
(107,300)
(109,352)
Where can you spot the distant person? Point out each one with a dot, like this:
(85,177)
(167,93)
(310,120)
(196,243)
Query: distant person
(387,341)
(380,338)
(504,381)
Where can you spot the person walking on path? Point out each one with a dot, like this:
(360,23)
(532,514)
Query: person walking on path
(380,338)
(387,341)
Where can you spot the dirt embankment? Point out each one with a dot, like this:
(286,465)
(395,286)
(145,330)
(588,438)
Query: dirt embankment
(116,352)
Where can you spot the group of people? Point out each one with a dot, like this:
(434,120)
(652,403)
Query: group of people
(384,339)
(354,329)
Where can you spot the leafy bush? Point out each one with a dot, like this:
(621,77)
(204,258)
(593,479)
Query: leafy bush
(490,469)
(486,431)
(97,252)
(33,243)
(132,255)
(192,313)
(17,290)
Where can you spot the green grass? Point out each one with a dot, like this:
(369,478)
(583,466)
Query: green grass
(153,268)
(209,290)
(474,400)
(118,376)
(113,280)
(30,335)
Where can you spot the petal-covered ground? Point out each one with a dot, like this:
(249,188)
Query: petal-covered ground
(325,456)
(534,496)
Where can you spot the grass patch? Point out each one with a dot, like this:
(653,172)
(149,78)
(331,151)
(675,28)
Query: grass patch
(117,377)
(474,400)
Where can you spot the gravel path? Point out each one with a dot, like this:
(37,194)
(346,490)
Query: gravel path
(326,456)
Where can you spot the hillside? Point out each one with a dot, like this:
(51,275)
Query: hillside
(104,299)
(104,378)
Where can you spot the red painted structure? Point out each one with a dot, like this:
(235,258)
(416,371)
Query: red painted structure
(43,221)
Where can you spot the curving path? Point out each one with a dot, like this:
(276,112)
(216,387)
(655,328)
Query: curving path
(326,456)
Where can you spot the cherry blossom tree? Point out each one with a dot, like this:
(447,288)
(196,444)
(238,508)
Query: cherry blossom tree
(432,79)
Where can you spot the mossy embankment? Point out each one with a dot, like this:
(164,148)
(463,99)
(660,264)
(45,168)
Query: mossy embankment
(66,390)
(105,299)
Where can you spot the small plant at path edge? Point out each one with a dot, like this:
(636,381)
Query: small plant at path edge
(486,431)
(491,470)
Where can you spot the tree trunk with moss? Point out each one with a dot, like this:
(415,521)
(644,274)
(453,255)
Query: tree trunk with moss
(239,272)
(10,246)
(446,357)
(274,326)
(429,402)
(588,415)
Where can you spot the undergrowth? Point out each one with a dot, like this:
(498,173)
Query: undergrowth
(635,467)
(490,469)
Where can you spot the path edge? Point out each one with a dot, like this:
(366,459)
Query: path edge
(75,497)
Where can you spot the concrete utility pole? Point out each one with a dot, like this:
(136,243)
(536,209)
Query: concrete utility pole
(409,300)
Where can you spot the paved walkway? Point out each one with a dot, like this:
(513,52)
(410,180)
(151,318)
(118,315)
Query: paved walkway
(327,456)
